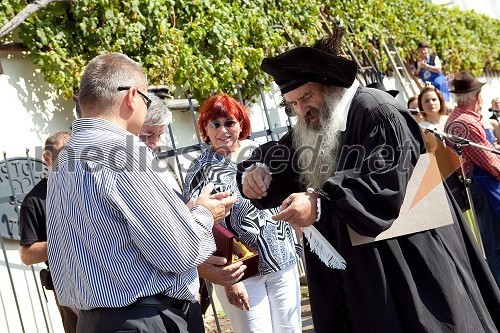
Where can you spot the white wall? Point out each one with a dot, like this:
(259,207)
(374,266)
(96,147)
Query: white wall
(490,90)
(488,7)
(30,109)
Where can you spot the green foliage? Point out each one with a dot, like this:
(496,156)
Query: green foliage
(199,45)
(462,39)
(214,45)
(8,9)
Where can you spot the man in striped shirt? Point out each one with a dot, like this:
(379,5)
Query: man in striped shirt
(123,247)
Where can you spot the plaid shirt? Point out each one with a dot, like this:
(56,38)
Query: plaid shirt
(467,124)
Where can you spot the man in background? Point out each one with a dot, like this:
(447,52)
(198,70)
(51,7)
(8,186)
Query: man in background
(481,165)
(428,68)
(495,119)
(33,224)
(156,121)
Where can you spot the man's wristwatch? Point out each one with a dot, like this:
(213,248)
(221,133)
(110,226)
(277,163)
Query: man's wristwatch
(320,194)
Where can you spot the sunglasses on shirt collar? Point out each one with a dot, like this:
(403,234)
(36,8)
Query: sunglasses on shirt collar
(227,124)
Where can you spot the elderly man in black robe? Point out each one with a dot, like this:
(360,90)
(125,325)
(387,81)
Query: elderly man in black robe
(353,150)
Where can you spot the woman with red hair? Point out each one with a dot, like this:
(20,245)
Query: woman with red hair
(270,300)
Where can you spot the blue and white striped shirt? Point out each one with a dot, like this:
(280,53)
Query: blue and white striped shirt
(115,230)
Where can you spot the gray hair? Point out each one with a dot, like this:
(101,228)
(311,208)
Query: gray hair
(495,100)
(463,97)
(158,112)
(102,77)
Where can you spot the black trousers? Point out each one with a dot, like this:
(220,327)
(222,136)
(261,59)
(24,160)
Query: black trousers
(68,316)
(195,319)
(144,318)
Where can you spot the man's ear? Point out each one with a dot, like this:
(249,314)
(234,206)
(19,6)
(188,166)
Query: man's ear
(130,98)
(478,94)
(47,157)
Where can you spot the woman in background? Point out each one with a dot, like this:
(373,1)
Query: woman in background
(412,106)
(412,102)
(432,104)
(270,301)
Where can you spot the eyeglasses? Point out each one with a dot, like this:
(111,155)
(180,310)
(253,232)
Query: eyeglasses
(151,136)
(226,124)
(147,100)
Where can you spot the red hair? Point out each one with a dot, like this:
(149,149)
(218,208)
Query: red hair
(223,106)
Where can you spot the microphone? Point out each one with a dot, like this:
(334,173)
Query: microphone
(456,140)
(433,129)
(442,135)
(496,113)
(415,111)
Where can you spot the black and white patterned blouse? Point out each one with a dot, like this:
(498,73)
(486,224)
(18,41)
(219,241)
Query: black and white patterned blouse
(275,240)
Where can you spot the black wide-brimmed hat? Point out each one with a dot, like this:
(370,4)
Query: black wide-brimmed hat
(298,66)
(464,82)
(380,86)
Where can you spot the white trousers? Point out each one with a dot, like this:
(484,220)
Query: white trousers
(274,304)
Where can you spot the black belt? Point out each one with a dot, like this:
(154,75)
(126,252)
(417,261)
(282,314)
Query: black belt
(162,300)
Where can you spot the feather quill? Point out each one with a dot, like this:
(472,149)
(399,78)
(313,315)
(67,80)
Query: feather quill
(333,42)
(323,249)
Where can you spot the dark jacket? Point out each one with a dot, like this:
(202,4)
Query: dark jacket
(431,281)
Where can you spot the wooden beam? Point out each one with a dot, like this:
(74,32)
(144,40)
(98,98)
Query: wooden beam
(180,104)
(25,13)
(13,46)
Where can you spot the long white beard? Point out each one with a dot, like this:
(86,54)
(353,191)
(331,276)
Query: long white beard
(318,156)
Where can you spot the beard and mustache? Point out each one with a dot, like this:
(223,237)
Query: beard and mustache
(318,146)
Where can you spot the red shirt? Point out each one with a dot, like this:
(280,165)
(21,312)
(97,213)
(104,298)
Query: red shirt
(467,124)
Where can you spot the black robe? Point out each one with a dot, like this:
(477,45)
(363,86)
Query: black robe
(431,281)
